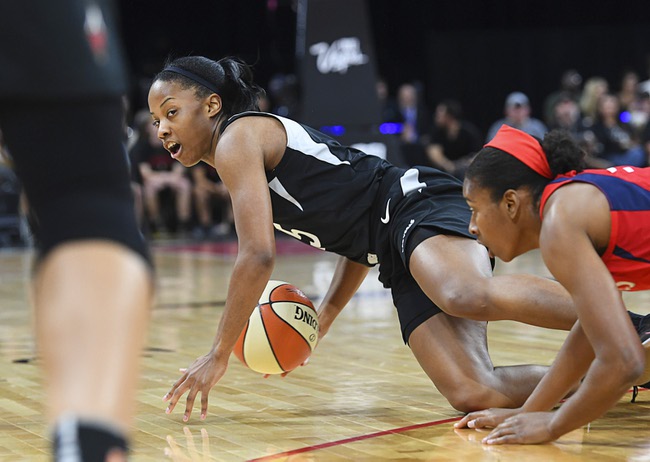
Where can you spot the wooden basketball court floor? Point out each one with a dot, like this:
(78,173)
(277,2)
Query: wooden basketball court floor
(362,397)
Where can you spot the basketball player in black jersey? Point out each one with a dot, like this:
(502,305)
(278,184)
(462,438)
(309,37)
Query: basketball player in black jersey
(412,223)
(61,116)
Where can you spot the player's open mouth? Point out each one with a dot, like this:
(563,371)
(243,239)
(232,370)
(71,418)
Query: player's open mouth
(173,148)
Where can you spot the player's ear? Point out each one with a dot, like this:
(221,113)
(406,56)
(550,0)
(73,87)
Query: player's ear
(511,201)
(214,105)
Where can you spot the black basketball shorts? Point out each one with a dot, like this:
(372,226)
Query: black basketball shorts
(72,163)
(435,208)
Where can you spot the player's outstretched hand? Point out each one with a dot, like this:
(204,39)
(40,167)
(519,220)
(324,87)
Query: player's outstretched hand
(524,428)
(488,418)
(201,376)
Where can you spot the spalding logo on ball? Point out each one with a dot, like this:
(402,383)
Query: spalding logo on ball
(281,332)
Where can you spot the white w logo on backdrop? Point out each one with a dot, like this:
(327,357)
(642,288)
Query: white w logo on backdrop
(339,56)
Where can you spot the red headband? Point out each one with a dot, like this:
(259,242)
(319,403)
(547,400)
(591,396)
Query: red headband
(523,147)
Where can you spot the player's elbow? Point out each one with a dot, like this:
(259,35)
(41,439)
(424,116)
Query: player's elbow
(262,258)
(265,259)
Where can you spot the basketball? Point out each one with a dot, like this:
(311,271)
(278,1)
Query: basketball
(282,331)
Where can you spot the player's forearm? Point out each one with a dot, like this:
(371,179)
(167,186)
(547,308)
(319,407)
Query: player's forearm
(249,277)
(348,276)
(600,391)
(570,365)
(611,371)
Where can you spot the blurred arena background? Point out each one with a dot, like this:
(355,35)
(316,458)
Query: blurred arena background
(473,51)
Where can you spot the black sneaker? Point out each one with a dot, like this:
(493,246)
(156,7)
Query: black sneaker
(642,326)
(643,329)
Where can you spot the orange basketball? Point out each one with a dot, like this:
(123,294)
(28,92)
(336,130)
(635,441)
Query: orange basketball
(281,332)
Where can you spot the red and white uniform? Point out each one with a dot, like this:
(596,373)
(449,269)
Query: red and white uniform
(628,191)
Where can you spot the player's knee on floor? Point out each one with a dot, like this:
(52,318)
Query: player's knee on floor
(469,397)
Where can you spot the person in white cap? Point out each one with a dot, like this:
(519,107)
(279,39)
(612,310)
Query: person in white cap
(517,115)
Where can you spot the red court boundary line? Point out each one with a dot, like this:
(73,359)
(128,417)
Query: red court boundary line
(354,439)
(365,437)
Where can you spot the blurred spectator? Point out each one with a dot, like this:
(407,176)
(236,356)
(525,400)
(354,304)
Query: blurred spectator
(645,140)
(161,174)
(517,115)
(389,110)
(130,137)
(14,212)
(570,85)
(628,91)
(207,187)
(415,125)
(10,191)
(4,153)
(614,139)
(413,112)
(639,113)
(567,116)
(454,141)
(594,88)
(644,86)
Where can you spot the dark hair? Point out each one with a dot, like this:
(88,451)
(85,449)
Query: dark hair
(498,171)
(453,108)
(231,76)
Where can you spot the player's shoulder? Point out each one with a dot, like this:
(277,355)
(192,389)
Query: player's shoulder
(252,135)
(574,199)
(576,207)
(251,128)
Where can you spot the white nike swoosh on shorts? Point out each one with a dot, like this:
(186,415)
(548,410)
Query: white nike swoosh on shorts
(386,219)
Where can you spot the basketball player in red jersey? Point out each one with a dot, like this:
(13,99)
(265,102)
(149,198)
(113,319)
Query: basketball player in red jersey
(593,229)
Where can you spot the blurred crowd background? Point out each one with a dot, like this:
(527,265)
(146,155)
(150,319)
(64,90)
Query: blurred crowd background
(448,73)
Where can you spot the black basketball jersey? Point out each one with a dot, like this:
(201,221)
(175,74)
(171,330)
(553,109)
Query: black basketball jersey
(322,193)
